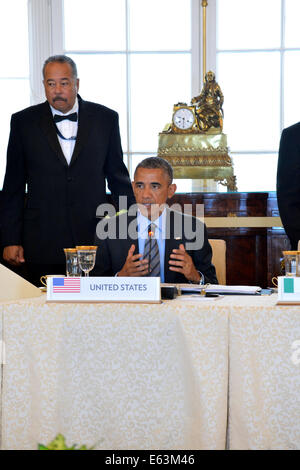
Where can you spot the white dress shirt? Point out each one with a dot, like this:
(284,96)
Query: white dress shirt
(67,129)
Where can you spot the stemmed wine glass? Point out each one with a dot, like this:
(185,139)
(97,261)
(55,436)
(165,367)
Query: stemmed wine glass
(86,258)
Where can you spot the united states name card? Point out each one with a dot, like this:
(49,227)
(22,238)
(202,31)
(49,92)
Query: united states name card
(104,289)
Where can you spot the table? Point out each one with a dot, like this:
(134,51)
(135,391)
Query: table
(129,376)
(264,382)
(186,374)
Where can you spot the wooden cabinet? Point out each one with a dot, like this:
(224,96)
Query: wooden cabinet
(253,253)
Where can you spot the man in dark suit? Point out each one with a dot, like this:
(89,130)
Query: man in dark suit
(288,183)
(180,249)
(63,150)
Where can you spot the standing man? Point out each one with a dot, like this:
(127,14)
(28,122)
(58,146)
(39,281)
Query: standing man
(155,240)
(288,183)
(63,150)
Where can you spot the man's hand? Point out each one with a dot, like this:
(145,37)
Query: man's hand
(14,254)
(181,262)
(134,265)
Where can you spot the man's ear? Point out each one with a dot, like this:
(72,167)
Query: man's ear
(171,190)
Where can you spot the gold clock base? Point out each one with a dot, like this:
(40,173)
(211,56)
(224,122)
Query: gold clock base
(198,156)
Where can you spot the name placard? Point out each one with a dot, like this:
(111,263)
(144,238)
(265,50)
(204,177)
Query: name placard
(288,290)
(104,289)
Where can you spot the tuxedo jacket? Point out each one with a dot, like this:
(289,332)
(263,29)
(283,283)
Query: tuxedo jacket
(113,249)
(288,182)
(61,203)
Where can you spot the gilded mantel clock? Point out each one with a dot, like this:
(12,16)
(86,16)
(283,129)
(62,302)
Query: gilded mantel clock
(194,144)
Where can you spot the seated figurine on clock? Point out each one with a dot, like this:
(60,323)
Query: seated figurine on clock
(209,104)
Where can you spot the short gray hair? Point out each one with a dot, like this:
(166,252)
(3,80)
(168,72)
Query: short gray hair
(154,163)
(61,59)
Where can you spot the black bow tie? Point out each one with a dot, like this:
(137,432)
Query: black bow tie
(70,117)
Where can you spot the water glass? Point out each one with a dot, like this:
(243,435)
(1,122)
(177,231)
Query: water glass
(72,264)
(86,258)
(290,262)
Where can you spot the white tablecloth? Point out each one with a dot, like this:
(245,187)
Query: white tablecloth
(152,376)
(118,376)
(264,388)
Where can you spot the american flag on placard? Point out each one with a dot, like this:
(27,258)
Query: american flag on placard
(66,284)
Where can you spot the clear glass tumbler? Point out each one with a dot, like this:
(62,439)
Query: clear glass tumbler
(290,262)
(72,264)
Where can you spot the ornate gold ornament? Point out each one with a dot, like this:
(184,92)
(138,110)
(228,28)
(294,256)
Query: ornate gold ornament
(204,114)
(193,142)
(198,156)
(209,105)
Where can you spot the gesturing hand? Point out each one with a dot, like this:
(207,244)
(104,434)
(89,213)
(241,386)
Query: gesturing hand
(14,254)
(134,266)
(181,262)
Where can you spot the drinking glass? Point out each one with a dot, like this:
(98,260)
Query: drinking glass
(72,265)
(86,258)
(290,262)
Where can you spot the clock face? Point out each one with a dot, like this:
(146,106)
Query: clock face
(183,118)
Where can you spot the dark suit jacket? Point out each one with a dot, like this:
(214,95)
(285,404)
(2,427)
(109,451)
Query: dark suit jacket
(288,182)
(112,251)
(60,211)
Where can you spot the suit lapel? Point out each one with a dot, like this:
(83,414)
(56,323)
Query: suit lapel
(48,128)
(170,276)
(125,243)
(132,223)
(84,124)
(170,244)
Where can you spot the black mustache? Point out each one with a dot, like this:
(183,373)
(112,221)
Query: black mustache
(59,98)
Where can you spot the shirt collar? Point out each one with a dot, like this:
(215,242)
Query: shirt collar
(73,110)
(143,223)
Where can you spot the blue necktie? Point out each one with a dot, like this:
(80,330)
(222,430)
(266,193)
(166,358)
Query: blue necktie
(151,252)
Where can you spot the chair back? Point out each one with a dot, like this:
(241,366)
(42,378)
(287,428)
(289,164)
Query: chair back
(219,259)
